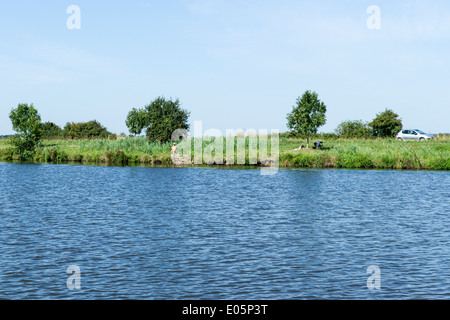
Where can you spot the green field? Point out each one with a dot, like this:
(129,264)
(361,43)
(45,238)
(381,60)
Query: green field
(337,153)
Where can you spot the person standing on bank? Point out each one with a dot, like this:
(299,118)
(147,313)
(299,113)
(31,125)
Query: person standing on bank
(174,149)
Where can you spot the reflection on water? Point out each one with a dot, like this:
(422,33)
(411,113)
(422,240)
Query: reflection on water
(196,233)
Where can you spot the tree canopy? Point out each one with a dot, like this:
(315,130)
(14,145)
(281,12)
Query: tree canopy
(354,129)
(386,124)
(86,130)
(136,121)
(51,131)
(160,119)
(26,121)
(308,114)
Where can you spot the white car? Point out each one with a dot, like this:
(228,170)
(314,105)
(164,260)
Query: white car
(413,134)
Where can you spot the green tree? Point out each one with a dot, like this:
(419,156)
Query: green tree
(71,130)
(93,129)
(160,119)
(386,124)
(26,121)
(136,121)
(354,129)
(308,115)
(86,130)
(51,131)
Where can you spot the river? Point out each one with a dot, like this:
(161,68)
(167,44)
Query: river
(199,233)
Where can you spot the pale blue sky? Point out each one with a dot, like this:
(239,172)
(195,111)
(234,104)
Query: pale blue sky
(234,64)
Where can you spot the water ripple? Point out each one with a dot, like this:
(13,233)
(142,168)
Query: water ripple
(165,233)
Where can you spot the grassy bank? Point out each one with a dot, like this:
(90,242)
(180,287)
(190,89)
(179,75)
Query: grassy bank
(371,154)
(337,153)
(95,151)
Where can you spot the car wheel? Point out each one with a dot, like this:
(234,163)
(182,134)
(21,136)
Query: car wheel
(399,139)
(421,139)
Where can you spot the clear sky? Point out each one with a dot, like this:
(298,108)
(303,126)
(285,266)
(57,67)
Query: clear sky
(235,64)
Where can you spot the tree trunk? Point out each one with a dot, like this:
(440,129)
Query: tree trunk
(307,141)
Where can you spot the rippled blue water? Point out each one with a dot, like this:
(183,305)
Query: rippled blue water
(194,233)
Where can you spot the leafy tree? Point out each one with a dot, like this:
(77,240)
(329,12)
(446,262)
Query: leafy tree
(386,124)
(308,115)
(26,121)
(86,130)
(354,129)
(71,130)
(136,121)
(93,129)
(51,131)
(160,119)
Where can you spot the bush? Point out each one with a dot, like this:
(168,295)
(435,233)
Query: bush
(354,129)
(387,124)
(51,131)
(86,130)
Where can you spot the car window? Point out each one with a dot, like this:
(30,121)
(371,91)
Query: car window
(405,132)
(413,132)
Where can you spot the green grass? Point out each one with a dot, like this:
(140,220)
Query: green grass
(369,154)
(95,151)
(338,153)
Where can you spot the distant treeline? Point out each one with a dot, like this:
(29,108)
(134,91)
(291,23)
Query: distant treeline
(82,130)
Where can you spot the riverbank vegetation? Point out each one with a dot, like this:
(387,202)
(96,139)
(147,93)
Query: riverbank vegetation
(371,154)
(380,153)
(355,144)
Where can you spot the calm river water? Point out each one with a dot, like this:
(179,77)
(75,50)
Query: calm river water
(195,233)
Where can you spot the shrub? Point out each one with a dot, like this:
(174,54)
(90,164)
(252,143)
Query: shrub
(51,131)
(86,130)
(386,124)
(354,129)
